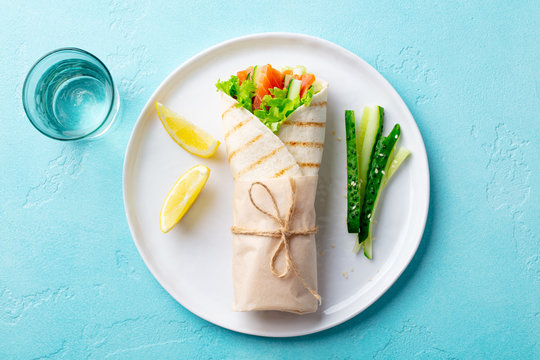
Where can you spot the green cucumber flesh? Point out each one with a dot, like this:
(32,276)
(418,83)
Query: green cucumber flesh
(287,80)
(376,181)
(370,130)
(353,203)
(395,163)
(294,89)
(257,73)
(361,127)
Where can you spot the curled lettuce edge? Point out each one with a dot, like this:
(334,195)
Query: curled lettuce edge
(275,108)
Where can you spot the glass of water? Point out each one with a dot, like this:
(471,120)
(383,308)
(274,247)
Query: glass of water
(69,94)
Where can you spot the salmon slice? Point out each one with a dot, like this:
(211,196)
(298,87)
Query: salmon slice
(269,78)
(307,81)
(242,75)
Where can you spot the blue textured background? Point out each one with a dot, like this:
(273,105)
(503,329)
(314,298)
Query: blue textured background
(72,284)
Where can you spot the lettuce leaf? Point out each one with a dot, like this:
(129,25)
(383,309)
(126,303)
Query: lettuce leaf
(229,87)
(308,96)
(275,108)
(243,93)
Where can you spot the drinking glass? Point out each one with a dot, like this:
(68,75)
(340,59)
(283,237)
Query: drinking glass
(69,94)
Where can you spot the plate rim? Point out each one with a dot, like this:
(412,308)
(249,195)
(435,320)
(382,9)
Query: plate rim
(274,36)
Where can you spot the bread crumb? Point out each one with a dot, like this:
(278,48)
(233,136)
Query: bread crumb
(345,275)
(334,132)
(339,139)
(352,269)
(333,245)
(321,252)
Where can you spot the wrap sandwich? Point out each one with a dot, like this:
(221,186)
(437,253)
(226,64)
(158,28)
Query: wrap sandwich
(274,125)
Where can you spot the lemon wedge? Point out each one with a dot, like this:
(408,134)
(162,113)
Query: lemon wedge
(182,195)
(187,135)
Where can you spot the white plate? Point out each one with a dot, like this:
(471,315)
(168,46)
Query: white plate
(193,261)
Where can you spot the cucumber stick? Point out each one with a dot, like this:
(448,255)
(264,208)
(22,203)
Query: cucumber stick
(392,165)
(353,201)
(395,162)
(370,130)
(294,89)
(380,164)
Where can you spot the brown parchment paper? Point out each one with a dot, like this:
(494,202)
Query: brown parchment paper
(255,286)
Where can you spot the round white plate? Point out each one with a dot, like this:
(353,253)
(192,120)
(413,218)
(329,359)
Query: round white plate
(193,261)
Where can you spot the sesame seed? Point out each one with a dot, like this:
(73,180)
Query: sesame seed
(376,171)
(383,172)
(354,207)
(396,136)
(334,132)
(333,245)
(368,216)
(339,139)
(352,269)
(345,275)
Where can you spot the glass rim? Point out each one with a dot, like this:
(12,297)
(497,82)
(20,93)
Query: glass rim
(59,50)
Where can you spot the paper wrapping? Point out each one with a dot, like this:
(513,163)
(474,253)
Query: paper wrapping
(255,286)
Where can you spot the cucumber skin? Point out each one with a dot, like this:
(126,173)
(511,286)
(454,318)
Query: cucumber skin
(364,164)
(375,184)
(353,205)
(294,85)
(395,160)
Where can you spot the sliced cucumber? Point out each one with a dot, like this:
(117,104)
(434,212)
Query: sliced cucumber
(257,73)
(377,171)
(395,162)
(353,203)
(294,89)
(361,127)
(370,130)
(287,80)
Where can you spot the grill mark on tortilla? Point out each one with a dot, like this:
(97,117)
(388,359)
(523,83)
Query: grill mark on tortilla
(229,109)
(306,144)
(305,124)
(310,165)
(260,161)
(236,127)
(242,147)
(283,171)
(319,104)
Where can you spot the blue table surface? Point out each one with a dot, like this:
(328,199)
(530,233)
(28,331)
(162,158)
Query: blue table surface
(72,284)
